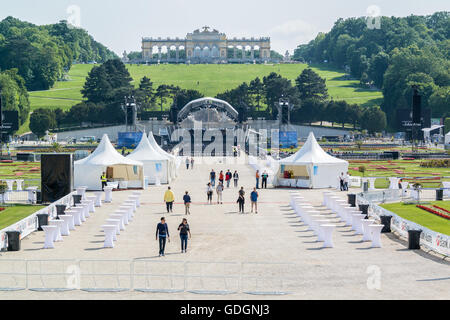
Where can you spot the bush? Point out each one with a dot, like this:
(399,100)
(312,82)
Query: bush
(436,163)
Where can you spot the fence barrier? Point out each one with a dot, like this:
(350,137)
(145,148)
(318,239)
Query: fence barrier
(149,275)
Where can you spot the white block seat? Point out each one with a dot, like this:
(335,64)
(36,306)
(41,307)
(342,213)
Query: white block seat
(92,200)
(375,232)
(320,236)
(130,203)
(115,222)
(70,220)
(110,233)
(313,225)
(98,198)
(82,192)
(349,217)
(137,199)
(327,233)
(342,212)
(58,224)
(108,194)
(65,225)
(356,223)
(136,193)
(125,215)
(85,206)
(50,232)
(129,209)
(367,233)
(76,213)
(118,216)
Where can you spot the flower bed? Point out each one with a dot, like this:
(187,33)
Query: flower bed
(436,210)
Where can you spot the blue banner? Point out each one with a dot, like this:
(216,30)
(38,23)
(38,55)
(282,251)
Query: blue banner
(288,139)
(129,140)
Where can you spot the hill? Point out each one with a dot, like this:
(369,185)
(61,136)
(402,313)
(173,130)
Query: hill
(208,79)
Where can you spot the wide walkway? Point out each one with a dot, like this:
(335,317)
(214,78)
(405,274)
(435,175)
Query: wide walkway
(266,241)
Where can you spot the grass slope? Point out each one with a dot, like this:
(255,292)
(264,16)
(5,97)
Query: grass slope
(16,213)
(428,220)
(208,79)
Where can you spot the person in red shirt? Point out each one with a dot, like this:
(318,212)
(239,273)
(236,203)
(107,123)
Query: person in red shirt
(228,176)
(221,176)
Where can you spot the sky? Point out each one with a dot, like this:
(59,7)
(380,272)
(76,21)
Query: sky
(120,25)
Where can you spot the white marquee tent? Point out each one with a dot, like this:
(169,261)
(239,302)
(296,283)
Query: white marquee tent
(447,138)
(156,166)
(311,167)
(173,160)
(88,171)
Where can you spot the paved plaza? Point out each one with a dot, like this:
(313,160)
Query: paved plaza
(272,243)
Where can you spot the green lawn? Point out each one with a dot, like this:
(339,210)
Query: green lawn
(16,213)
(208,79)
(412,213)
(20,170)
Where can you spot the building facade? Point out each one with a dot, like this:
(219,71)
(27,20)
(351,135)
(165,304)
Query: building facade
(206,46)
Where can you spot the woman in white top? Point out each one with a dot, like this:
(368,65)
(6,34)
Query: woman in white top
(209,193)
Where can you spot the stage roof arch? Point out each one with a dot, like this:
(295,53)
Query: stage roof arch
(204,103)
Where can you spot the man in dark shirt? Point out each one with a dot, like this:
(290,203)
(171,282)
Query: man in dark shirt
(187,202)
(184,232)
(162,231)
(212,176)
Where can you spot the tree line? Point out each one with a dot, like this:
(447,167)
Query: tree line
(42,54)
(403,52)
(309,98)
(104,93)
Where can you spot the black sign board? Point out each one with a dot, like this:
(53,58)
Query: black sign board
(9,120)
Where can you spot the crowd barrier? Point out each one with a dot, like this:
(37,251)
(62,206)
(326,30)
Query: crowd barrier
(430,239)
(30,223)
(150,276)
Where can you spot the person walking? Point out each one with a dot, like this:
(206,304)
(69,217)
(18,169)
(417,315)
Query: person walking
(184,232)
(221,176)
(346,180)
(187,203)
(241,202)
(236,178)
(228,176)
(242,192)
(192,163)
(209,193)
(187,163)
(341,181)
(169,198)
(254,200)
(219,191)
(104,181)
(212,177)
(162,232)
(257,179)
(265,175)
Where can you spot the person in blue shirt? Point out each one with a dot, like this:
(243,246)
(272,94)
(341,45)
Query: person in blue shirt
(162,231)
(187,202)
(212,176)
(254,200)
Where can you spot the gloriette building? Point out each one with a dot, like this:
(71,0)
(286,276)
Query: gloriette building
(206,47)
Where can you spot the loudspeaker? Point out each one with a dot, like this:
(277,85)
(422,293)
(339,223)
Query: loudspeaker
(130,116)
(285,114)
(56,176)
(417,110)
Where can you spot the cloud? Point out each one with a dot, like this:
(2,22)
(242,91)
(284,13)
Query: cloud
(290,34)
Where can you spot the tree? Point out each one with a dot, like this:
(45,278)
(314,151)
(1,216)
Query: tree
(439,102)
(311,86)
(256,88)
(373,119)
(145,95)
(14,94)
(276,87)
(162,92)
(42,120)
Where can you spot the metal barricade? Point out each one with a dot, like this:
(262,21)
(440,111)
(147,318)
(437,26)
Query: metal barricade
(54,275)
(219,278)
(105,275)
(158,276)
(13,274)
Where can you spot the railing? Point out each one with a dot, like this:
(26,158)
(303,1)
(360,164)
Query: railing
(30,223)
(430,239)
(150,276)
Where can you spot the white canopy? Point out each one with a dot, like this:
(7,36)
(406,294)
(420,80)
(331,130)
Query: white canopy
(156,166)
(447,138)
(88,171)
(173,160)
(312,167)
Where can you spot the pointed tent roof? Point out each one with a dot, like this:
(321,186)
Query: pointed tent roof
(145,151)
(155,146)
(106,155)
(311,152)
